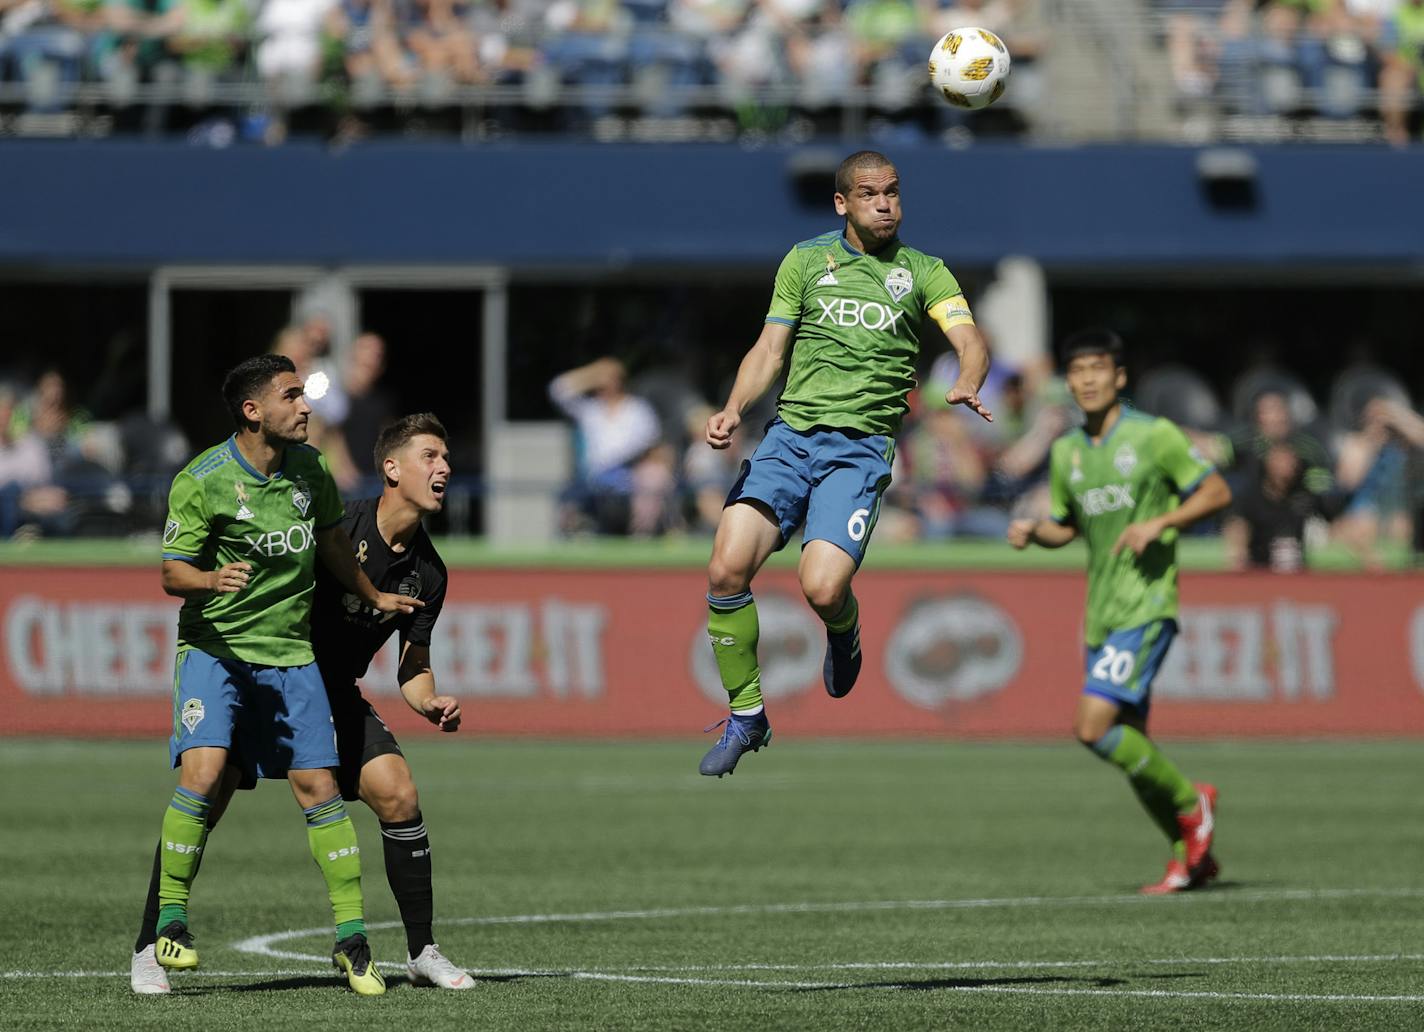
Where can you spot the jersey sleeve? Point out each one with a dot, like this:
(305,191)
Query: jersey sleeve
(186,529)
(328,509)
(786,294)
(1177,457)
(1060,498)
(422,624)
(939,285)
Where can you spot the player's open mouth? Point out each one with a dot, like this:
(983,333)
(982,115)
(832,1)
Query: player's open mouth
(437,488)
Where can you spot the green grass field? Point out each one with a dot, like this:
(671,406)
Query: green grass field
(1196,553)
(827,885)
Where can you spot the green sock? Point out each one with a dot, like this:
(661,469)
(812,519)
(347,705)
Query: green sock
(332,837)
(846,618)
(185,830)
(732,625)
(1161,787)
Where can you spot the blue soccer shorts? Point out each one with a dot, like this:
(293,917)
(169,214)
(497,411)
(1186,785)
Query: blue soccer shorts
(830,480)
(270,719)
(1124,666)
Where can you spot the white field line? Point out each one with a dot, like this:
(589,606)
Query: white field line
(722,983)
(265,945)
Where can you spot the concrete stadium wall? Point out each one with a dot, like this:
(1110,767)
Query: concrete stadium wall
(614,206)
(592,654)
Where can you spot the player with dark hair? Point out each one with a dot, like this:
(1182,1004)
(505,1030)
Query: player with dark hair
(393,550)
(846,309)
(247,520)
(1128,483)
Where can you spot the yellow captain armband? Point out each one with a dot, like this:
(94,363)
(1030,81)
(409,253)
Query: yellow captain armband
(951,312)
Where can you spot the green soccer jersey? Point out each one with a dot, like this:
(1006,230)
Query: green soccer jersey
(220,511)
(857,319)
(1136,472)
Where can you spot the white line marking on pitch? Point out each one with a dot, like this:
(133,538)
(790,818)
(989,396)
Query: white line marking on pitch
(264,945)
(720,983)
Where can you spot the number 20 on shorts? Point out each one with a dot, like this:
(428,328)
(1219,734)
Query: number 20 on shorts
(1114,666)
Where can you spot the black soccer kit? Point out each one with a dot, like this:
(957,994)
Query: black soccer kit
(346,633)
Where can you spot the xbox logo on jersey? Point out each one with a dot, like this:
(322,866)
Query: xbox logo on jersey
(294,540)
(848,312)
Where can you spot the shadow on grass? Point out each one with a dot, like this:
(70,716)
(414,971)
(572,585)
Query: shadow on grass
(930,984)
(295,982)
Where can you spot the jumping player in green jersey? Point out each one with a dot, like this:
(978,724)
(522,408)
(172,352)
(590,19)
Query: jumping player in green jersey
(247,520)
(847,307)
(1128,483)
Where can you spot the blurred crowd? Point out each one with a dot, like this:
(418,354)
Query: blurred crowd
(1346,469)
(71,470)
(418,51)
(1336,58)
(1351,472)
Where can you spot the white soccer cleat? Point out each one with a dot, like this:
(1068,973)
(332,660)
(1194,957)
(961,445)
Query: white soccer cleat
(146,975)
(432,968)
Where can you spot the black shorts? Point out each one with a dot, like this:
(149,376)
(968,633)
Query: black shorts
(361,736)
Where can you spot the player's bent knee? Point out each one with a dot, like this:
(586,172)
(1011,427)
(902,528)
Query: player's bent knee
(726,578)
(392,803)
(402,806)
(824,595)
(313,786)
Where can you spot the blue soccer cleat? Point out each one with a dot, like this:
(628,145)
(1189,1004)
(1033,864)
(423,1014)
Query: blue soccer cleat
(842,664)
(742,734)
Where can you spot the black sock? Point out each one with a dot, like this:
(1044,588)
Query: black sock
(407,848)
(148,930)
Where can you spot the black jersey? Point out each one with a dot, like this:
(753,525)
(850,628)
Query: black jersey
(345,632)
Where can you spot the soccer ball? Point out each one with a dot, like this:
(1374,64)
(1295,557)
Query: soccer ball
(970,67)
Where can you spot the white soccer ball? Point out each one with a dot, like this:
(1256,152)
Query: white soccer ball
(970,67)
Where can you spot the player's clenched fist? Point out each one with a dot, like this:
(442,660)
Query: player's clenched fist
(230,578)
(721,426)
(1021,533)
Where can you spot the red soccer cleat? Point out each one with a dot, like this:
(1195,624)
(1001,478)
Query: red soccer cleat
(1207,872)
(1175,880)
(1198,828)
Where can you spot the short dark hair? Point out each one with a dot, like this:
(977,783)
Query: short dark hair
(247,379)
(1099,340)
(396,435)
(858,162)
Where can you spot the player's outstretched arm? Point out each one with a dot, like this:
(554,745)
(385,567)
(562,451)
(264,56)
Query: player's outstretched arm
(417,684)
(973,352)
(760,369)
(333,547)
(1045,533)
(184,580)
(1211,496)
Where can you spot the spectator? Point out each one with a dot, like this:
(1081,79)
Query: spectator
(1374,466)
(439,37)
(50,413)
(624,475)
(372,51)
(1267,527)
(709,473)
(370,406)
(46,36)
(945,468)
(209,35)
(24,463)
(1402,76)
(1272,424)
(289,54)
(307,345)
